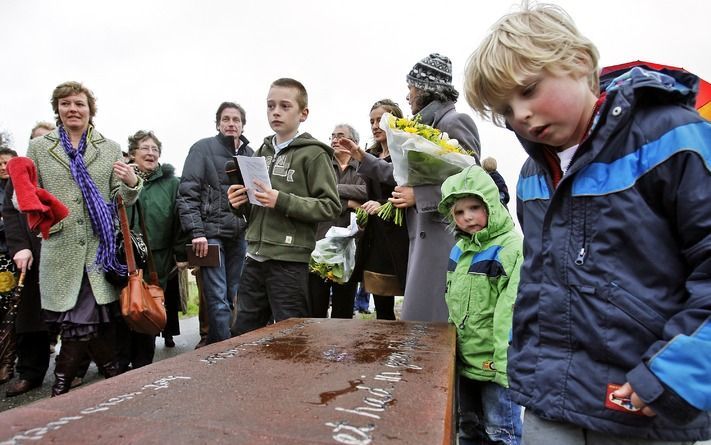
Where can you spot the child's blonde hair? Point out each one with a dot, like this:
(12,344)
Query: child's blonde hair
(521,45)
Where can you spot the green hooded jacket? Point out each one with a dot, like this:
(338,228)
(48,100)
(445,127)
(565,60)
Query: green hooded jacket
(482,279)
(303,174)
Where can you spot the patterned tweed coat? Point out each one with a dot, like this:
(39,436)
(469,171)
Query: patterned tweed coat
(72,245)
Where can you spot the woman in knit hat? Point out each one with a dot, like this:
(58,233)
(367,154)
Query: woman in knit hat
(432,97)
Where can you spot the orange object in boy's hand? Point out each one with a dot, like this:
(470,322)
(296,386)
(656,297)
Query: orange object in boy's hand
(626,392)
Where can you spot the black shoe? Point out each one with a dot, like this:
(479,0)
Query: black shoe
(364,311)
(21,386)
(169,342)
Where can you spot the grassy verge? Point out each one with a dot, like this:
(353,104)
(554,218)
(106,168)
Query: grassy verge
(192,299)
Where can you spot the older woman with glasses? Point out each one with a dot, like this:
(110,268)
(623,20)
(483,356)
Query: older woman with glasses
(85,171)
(166,240)
(352,193)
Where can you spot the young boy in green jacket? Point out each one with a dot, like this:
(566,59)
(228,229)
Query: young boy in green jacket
(482,280)
(282,231)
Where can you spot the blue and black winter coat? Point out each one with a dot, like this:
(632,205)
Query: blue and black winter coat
(616,281)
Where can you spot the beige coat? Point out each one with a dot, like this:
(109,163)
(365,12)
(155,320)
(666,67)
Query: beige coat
(72,245)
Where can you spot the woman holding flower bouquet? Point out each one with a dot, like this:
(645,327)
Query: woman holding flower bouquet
(431,96)
(383,248)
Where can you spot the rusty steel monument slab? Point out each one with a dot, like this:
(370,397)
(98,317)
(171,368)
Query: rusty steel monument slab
(301,381)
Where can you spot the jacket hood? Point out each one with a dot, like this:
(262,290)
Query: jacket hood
(302,140)
(662,85)
(167,169)
(475,181)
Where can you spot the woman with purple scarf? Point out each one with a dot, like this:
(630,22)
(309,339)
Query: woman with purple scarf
(85,171)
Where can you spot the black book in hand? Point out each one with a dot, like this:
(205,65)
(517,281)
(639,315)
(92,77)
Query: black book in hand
(212,259)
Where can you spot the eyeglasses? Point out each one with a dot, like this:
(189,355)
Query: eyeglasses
(336,136)
(155,150)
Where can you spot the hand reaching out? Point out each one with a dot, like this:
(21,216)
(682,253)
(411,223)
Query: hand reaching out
(357,153)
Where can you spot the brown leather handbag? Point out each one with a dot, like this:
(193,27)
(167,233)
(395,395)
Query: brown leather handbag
(142,303)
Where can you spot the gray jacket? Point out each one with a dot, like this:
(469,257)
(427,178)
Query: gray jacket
(202,197)
(430,241)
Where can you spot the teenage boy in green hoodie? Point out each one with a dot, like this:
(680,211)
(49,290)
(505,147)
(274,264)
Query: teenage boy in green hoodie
(282,231)
(482,280)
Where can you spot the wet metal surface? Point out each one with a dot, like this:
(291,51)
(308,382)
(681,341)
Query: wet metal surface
(301,381)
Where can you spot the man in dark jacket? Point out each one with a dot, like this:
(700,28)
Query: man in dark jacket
(205,214)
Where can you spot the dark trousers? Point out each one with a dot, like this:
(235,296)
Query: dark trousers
(342,297)
(202,308)
(270,291)
(133,348)
(172,306)
(32,355)
(384,307)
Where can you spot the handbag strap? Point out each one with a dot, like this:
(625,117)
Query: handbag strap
(126,232)
(153,275)
(128,245)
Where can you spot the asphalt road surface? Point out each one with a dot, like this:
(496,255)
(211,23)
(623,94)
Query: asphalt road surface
(186,341)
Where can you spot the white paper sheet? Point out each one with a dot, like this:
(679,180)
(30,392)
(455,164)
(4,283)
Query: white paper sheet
(253,168)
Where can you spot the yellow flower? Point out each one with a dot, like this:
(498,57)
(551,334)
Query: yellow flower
(7,281)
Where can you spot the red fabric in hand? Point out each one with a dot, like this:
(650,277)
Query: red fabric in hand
(42,208)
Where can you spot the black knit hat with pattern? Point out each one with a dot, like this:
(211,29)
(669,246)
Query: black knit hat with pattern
(433,73)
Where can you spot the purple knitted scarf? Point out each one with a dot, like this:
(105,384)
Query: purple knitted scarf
(101,213)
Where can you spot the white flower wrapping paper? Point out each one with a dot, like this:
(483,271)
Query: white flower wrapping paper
(418,161)
(338,248)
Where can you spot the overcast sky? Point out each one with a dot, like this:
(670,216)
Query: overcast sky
(166,65)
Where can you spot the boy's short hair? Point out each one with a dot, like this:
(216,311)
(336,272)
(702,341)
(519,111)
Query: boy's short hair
(302,97)
(8,151)
(521,45)
(224,105)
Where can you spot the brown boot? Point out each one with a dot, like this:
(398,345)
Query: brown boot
(8,352)
(71,355)
(102,350)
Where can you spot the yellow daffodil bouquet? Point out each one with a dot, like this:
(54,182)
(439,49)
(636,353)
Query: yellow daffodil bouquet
(334,256)
(421,155)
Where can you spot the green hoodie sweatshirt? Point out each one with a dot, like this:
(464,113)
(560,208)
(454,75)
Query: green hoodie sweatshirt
(482,279)
(303,174)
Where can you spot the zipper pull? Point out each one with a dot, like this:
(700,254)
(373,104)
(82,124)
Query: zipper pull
(461,325)
(580,260)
